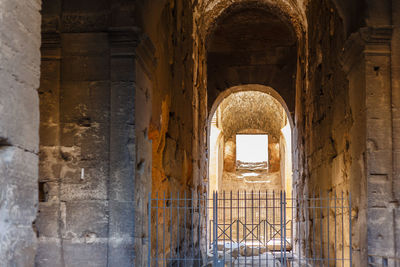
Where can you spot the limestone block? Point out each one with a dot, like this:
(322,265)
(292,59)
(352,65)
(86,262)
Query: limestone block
(81,101)
(123,69)
(19,114)
(94,185)
(85,68)
(121,219)
(85,44)
(81,254)
(379,190)
(379,162)
(17,245)
(49,253)
(380,239)
(48,219)
(49,163)
(86,219)
(18,177)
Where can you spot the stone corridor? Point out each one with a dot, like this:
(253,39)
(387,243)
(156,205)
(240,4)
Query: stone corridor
(105,102)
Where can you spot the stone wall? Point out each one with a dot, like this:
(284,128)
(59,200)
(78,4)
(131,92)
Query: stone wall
(19,129)
(87,150)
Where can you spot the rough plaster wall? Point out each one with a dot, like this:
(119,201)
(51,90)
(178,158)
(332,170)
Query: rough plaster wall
(19,132)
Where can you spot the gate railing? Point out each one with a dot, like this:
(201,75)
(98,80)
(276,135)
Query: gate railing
(250,229)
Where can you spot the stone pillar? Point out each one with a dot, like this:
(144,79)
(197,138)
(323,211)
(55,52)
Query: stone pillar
(48,221)
(368,64)
(20,22)
(132,62)
(123,42)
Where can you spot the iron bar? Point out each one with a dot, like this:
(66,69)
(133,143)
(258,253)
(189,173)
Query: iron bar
(149,229)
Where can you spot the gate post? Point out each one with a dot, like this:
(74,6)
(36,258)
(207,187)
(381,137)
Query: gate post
(215,218)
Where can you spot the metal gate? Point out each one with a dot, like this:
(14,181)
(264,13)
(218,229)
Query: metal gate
(250,229)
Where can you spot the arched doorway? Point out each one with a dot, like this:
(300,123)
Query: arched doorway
(249,141)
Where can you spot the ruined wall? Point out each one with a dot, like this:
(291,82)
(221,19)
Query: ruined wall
(19,132)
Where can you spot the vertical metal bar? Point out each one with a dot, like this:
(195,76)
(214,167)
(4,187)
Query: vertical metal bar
(156,229)
(245,222)
(342,230)
(284,227)
(224,223)
(259,228)
(327,226)
(306,204)
(231,225)
(292,225)
(298,207)
(266,225)
(170,226)
(273,223)
(164,221)
(321,228)
(335,231)
(252,227)
(350,237)
(314,225)
(192,226)
(281,227)
(208,223)
(199,225)
(149,230)
(184,226)
(215,242)
(178,230)
(238,221)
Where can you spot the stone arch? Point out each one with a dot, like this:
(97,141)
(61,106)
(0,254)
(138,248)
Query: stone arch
(250,87)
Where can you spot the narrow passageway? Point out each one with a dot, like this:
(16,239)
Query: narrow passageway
(199,133)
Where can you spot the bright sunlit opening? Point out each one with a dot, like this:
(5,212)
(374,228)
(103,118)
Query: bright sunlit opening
(252,147)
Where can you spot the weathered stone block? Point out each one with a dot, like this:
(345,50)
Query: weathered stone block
(378,190)
(18,245)
(49,71)
(84,44)
(379,162)
(49,135)
(380,239)
(80,254)
(79,225)
(123,69)
(121,254)
(85,68)
(121,219)
(49,163)
(49,253)
(87,190)
(48,219)
(18,177)
(85,102)
(19,126)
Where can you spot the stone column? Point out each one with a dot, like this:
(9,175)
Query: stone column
(132,62)
(368,64)
(19,129)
